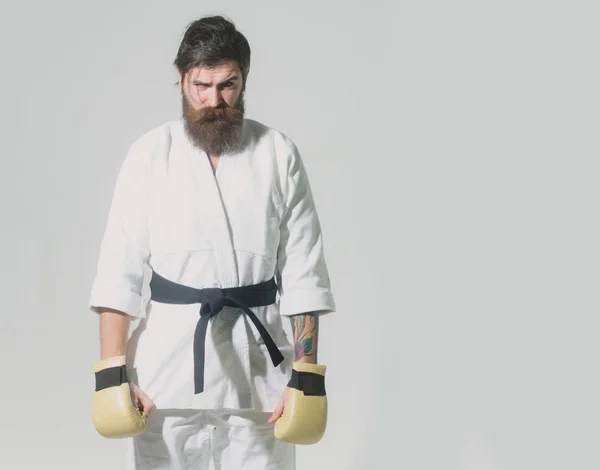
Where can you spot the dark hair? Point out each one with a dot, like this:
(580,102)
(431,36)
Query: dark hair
(211,41)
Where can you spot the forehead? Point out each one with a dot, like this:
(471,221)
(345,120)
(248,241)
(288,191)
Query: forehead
(215,73)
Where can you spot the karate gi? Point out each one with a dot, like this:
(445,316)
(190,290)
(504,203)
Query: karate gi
(252,219)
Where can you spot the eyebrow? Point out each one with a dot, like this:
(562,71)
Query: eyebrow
(233,78)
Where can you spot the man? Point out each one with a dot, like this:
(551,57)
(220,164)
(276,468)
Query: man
(219,208)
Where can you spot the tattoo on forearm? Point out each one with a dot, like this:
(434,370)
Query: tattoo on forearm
(305,329)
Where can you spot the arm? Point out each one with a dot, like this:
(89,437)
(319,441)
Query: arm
(305,331)
(114,328)
(114,331)
(303,277)
(116,298)
(304,398)
(305,291)
(117,288)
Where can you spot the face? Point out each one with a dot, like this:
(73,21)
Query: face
(213,106)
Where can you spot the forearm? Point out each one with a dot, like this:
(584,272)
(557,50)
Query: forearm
(114,330)
(305,329)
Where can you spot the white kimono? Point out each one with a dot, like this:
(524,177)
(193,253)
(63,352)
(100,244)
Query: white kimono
(252,219)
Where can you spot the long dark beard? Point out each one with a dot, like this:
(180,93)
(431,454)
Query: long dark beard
(215,130)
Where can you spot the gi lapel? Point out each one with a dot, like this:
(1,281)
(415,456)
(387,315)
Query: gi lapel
(214,212)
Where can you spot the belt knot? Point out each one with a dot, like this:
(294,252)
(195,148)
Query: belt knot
(213,302)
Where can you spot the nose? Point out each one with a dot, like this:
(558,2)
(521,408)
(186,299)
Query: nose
(213,97)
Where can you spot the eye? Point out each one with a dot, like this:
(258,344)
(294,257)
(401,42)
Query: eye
(227,84)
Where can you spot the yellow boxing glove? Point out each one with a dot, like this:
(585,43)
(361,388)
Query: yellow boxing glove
(113,412)
(304,417)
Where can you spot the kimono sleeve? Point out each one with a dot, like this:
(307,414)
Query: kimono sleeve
(303,278)
(124,249)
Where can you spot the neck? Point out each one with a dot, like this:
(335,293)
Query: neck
(214,160)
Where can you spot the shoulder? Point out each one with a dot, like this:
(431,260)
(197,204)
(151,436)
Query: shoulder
(156,137)
(262,135)
(148,148)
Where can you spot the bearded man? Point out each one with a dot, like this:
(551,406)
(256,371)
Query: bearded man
(217,209)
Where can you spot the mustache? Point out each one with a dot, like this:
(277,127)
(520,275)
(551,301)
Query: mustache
(212,114)
(222,113)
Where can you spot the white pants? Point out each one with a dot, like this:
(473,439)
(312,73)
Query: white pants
(192,439)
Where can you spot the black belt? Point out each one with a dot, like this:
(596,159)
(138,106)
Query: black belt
(213,300)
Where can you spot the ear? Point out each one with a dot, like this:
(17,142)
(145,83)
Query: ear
(179,78)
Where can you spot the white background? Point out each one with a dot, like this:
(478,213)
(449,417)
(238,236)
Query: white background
(453,153)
